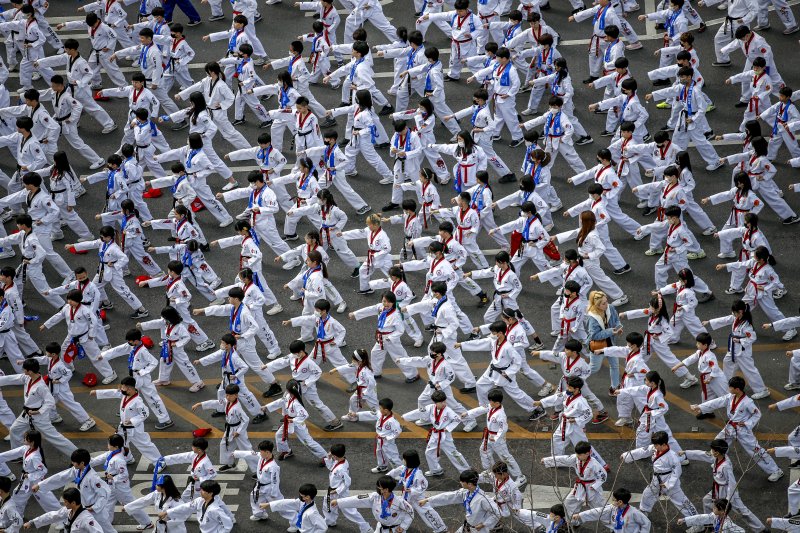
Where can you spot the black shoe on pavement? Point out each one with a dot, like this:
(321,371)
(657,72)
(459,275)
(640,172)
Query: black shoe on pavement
(259,418)
(274,390)
(508,178)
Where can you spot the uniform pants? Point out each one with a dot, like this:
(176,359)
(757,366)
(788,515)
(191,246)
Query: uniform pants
(62,393)
(626,403)
(10,346)
(659,346)
(611,254)
(228,445)
(26,343)
(495,161)
(573,435)
(44,498)
(210,201)
(499,303)
(653,492)
(602,280)
(36,276)
(292,218)
(252,102)
(771,195)
(144,384)
(278,129)
(619,217)
(689,320)
(265,334)
(185,5)
(74,221)
(145,156)
(331,514)
(311,395)
(459,51)
(123,495)
(45,232)
(676,262)
(593,499)
(42,424)
(506,110)
(475,253)
(366,148)
(793,497)
(341,182)
(69,131)
(92,352)
(267,232)
(161,94)
(113,278)
(697,213)
(227,132)
(424,400)
(140,438)
(743,361)
(781,8)
(428,515)
(738,505)
(510,389)
(569,153)
(195,331)
(390,345)
(135,250)
(301,432)
(248,353)
(695,135)
(441,110)
(443,444)
(180,359)
(422,26)
(98,60)
(645,430)
(782,137)
(488,450)
(341,248)
(532,254)
(366,270)
(368,399)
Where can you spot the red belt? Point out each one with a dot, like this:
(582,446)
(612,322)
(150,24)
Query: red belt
(703,384)
(458,44)
(286,419)
(565,325)
(379,337)
(439,438)
(320,344)
(486,434)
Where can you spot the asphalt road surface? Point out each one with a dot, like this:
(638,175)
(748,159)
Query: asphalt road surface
(527,441)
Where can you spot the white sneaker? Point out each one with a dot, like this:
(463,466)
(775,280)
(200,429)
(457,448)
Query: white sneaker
(273,356)
(726,255)
(12,477)
(226,223)
(418,343)
(108,129)
(622,422)
(470,424)
(789,335)
(56,419)
(714,166)
(205,346)
(291,265)
(97,164)
(423,423)
(689,381)
(218,301)
(760,394)
(386,181)
(109,379)
(546,390)
(295,297)
(775,476)
(522,480)
(258,518)
(275,309)
(342,307)
(230,186)
(349,417)
(290,529)
(620,301)
(779,293)
(528,112)
(86,426)
(653,251)
(791,386)
(642,204)
(197,387)
(700,254)
(711,230)
(437,473)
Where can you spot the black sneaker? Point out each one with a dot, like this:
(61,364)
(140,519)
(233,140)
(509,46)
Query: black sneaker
(665,127)
(516,142)
(538,412)
(391,206)
(589,80)
(259,418)
(483,299)
(794,219)
(180,125)
(387,110)
(274,390)
(292,237)
(661,83)
(106,305)
(508,178)
(344,143)
(474,335)
(238,122)
(721,64)
(586,139)
(623,270)
(214,18)
(164,425)
(545,7)
(193,23)
(467,390)
(430,327)
(412,380)
(354,273)
(285,455)
(381,146)
(449,78)
(365,292)
(333,426)
(264,125)
(140,313)
(328,123)
(649,211)
(709,135)
(606,133)
(225,468)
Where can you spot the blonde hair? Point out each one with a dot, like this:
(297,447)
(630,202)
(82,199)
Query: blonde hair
(374,218)
(595,297)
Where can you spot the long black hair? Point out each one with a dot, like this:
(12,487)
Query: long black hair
(655,377)
(198,101)
(744,308)
(293,388)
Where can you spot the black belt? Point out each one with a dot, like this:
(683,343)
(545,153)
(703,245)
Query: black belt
(304,134)
(142,146)
(493,369)
(61,119)
(58,191)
